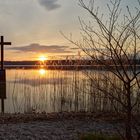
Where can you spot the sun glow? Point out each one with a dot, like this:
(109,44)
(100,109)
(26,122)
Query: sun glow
(42,58)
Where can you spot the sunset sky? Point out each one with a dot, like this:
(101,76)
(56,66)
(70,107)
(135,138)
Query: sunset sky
(33,26)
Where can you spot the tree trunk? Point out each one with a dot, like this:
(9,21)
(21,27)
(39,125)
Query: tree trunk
(128,126)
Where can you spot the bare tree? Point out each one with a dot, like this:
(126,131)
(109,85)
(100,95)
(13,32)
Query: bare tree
(114,43)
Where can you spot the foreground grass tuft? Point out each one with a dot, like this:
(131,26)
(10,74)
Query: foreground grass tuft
(98,137)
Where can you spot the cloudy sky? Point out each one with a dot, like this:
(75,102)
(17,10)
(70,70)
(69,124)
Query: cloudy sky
(33,26)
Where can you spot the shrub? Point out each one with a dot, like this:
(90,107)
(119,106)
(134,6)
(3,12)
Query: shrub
(98,137)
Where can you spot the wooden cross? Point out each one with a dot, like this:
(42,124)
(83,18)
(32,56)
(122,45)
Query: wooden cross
(2,43)
(2,74)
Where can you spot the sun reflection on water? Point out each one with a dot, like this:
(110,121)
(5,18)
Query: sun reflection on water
(42,72)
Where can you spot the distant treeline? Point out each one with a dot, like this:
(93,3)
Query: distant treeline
(69,62)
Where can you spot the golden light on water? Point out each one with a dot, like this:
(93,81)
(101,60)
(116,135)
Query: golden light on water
(42,72)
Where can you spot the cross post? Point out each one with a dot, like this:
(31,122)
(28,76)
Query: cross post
(2,74)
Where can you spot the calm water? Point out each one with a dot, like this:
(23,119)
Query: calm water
(44,90)
(57,90)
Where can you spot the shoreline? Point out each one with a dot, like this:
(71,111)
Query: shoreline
(54,126)
(54,116)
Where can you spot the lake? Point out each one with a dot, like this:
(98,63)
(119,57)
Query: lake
(42,90)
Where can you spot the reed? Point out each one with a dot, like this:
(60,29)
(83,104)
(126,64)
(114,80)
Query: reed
(63,90)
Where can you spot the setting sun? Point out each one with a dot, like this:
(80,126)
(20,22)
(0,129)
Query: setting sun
(42,58)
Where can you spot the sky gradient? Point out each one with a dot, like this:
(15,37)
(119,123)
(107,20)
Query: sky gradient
(33,26)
